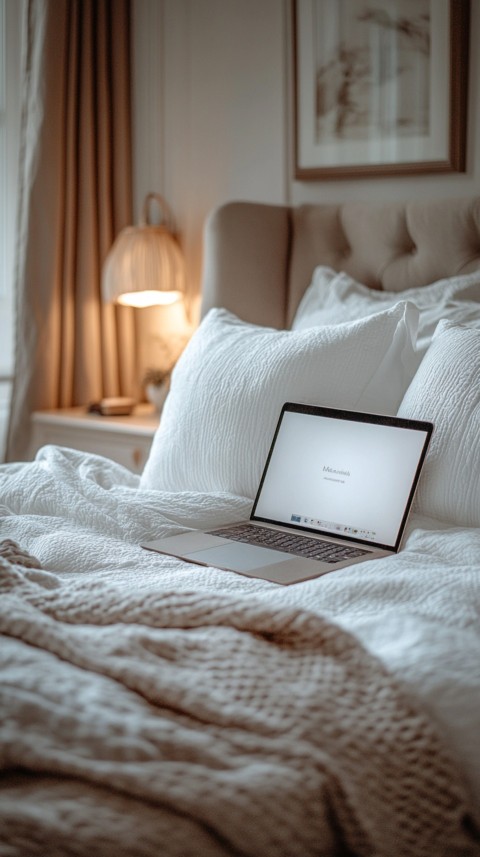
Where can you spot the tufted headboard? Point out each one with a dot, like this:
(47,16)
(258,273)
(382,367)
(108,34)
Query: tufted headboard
(259,258)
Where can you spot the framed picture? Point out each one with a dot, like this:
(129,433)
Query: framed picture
(380,87)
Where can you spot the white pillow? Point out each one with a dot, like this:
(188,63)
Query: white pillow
(231,381)
(446,391)
(335,297)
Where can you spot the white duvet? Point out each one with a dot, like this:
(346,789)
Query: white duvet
(418,612)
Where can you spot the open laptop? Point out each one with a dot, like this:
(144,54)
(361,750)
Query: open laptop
(336,489)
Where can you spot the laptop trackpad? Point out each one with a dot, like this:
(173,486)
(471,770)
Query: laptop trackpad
(237,556)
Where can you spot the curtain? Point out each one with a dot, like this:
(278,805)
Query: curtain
(75,196)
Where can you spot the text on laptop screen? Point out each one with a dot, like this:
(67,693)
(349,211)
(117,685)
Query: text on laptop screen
(340,476)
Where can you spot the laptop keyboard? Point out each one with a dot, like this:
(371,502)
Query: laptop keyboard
(290,543)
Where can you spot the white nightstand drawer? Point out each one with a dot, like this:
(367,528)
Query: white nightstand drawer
(126,440)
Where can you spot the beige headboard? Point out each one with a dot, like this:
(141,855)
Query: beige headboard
(259,259)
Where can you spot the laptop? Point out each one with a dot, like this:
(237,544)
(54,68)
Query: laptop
(336,489)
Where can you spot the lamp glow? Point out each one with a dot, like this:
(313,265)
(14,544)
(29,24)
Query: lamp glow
(149,297)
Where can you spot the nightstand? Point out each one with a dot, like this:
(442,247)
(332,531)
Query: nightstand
(126,440)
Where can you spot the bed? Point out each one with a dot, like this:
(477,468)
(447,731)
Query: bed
(150,706)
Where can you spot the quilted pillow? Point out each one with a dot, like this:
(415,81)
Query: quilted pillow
(446,390)
(231,381)
(334,297)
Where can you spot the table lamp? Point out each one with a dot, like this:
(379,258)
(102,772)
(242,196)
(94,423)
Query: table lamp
(145,265)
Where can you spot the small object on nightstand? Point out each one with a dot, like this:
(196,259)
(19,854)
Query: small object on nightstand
(157,381)
(116,406)
(156,395)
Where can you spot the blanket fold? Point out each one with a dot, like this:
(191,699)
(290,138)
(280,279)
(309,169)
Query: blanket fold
(153,721)
(12,552)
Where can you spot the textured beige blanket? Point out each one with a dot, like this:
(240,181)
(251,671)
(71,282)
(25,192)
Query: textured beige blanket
(186,724)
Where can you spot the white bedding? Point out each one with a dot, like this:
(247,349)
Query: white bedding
(419,612)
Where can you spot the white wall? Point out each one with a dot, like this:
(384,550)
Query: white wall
(220,118)
(222,93)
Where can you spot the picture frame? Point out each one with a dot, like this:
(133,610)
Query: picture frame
(380,87)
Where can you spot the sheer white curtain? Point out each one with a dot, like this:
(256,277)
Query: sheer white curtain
(74,197)
(10,29)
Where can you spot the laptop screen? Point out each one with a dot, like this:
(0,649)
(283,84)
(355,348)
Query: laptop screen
(341,473)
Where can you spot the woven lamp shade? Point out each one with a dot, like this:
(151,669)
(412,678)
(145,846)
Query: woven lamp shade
(145,264)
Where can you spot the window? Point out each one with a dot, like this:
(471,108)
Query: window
(10,29)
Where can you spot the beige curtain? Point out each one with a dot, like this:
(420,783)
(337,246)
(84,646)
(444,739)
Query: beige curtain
(75,196)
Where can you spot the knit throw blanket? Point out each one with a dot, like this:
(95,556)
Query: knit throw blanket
(149,722)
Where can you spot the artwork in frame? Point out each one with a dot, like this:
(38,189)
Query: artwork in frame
(380,87)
